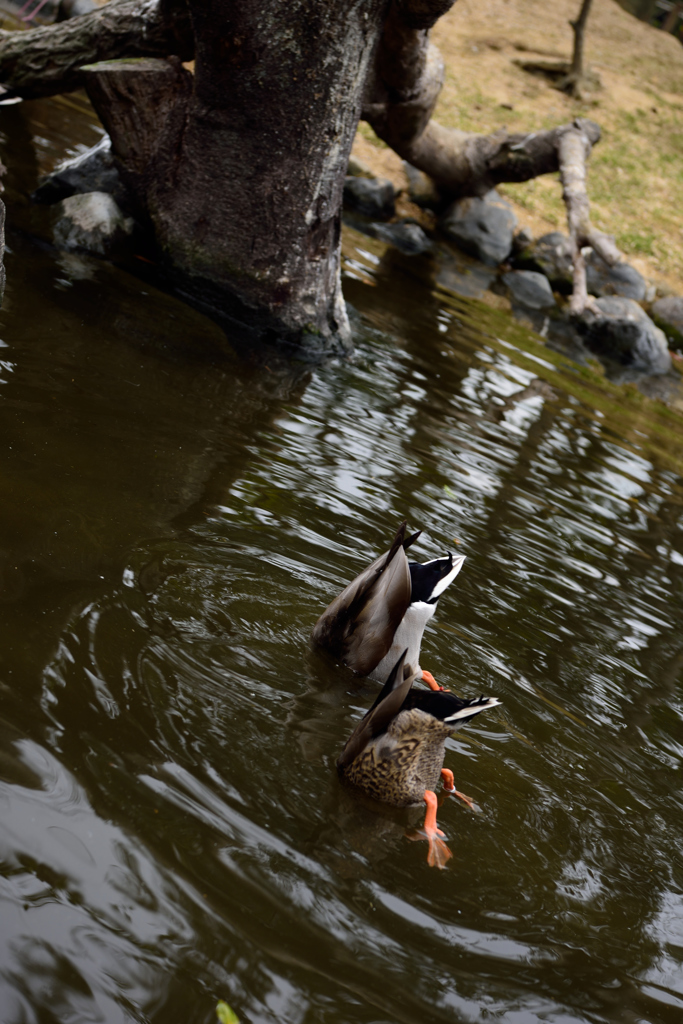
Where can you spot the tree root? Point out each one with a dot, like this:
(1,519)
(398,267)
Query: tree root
(580,85)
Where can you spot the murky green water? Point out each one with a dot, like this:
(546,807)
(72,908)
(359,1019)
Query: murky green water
(171,827)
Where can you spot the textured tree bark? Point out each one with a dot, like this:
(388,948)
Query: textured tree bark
(47,60)
(239,169)
(243,182)
(143,105)
(579,30)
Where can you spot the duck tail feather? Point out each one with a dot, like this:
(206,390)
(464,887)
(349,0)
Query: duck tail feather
(409,541)
(481,704)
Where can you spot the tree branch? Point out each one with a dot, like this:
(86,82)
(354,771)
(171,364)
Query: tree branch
(47,60)
(573,149)
(399,103)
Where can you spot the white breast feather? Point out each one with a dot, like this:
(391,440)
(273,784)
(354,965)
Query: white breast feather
(408,634)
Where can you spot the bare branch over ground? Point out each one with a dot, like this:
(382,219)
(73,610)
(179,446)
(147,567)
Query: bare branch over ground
(47,60)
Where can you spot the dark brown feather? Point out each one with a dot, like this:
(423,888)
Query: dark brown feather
(381,714)
(411,540)
(359,625)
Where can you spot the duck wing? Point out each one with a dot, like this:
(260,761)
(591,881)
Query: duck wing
(378,719)
(359,625)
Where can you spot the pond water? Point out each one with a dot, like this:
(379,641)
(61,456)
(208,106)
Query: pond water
(172,831)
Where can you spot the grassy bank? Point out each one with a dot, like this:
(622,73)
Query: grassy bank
(636,171)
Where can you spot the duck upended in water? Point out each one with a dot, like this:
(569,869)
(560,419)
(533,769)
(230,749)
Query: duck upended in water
(395,754)
(385,610)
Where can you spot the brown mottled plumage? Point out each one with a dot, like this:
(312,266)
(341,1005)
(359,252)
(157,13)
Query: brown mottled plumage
(398,766)
(396,752)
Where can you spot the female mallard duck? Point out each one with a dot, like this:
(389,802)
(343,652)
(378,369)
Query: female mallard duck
(395,754)
(385,609)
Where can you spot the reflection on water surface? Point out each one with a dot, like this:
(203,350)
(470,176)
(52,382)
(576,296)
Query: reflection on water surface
(171,827)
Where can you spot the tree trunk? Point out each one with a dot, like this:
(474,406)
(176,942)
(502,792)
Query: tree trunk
(579,29)
(241,168)
(572,78)
(579,82)
(672,17)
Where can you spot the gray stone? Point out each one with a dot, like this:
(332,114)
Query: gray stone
(359,169)
(406,235)
(482,227)
(92,171)
(93,222)
(621,279)
(462,275)
(562,336)
(529,288)
(421,188)
(625,334)
(372,196)
(666,389)
(522,240)
(550,255)
(77,266)
(668,314)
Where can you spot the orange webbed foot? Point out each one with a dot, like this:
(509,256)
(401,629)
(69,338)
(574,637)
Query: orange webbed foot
(449,787)
(431,682)
(439,853)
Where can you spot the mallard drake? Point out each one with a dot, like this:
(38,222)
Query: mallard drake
(395,754)
(385,609)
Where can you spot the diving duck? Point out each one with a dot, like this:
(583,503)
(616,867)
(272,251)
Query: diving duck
(385,609)
(395,754)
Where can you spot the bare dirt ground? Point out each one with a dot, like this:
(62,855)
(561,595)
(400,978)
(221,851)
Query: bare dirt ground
(636,171)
